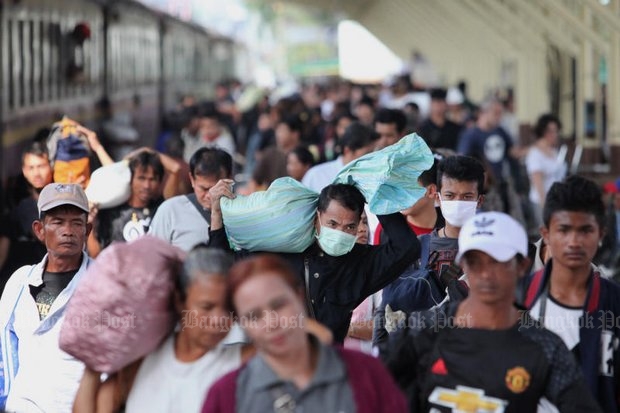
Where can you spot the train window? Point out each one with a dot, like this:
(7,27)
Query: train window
(11,65)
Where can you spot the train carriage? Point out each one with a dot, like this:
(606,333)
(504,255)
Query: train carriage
(65,56)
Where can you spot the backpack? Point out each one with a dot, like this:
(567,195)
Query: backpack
(420,287)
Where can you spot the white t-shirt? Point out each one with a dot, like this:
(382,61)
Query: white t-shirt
(562,320)
(318,177)
(552,168)
(165,384)
(178,222)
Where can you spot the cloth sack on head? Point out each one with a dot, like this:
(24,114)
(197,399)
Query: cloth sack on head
(388,179)
(122,308)
(280,219)
(69,153)
(110,185)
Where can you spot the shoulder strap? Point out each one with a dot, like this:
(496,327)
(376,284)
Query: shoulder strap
(206,214)
(533,288)
(309,305)
(595,293)
(425,249)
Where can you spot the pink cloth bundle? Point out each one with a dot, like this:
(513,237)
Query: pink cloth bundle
(122,308)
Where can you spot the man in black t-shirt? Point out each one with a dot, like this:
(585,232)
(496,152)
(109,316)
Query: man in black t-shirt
(132,219)
(438,131)
(18,244)
(483,353)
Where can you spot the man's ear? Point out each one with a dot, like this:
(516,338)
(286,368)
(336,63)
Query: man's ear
(480,201)
(317,223)
(38,230)
(346,152)
(89,228)
(431,191)
(544,233)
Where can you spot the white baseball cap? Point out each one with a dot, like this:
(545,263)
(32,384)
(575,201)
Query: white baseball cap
(494,233)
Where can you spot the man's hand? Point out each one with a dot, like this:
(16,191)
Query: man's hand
(93,211)
(223,187)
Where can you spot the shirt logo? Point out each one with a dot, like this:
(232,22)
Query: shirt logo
(609,344)
(439,367)
(63,188)
(484,222)
(517,380)
(466,400)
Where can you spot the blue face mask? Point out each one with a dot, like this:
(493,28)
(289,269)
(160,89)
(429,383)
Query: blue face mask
(335,242)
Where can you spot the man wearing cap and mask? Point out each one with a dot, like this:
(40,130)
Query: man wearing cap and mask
(38,376)
(483,353)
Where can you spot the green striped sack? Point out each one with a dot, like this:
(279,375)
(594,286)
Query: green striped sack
(388,178)
(280,219)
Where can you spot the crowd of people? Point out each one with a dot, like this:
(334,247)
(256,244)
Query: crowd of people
(494,291)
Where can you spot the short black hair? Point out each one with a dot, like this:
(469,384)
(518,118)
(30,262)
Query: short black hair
(461,168)
(343,115)
(357,136)
(36,148)
(367,101)
(304,155)
(429,176)
(211,162)
(394,116)
(293,122)
(346,195)
(575,194)
(438,93)
(146,159)
(543,122)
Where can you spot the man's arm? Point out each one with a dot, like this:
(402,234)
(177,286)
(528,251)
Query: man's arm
(5,245)
(566,387)
(383,264)
(217,235)
(402,362)
(173,168)
(95,145)
(93,243)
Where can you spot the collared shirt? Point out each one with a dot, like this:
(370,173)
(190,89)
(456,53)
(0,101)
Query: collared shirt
(258,387)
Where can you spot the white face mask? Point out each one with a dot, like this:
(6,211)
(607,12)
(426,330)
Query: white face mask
(456,213)
(335,242)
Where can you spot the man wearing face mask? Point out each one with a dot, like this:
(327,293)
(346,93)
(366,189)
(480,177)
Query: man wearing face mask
(460,182)
(338,273)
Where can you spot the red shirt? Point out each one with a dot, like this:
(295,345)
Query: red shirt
(417,230)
